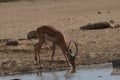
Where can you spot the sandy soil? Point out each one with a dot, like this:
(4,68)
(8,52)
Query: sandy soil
(95,46)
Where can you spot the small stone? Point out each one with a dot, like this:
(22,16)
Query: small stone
(99,76)
(99,12)
(15,79)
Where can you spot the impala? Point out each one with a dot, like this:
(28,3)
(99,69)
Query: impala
(53,35)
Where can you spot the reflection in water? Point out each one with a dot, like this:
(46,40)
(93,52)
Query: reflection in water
(82,74)
(70,71)
(56,75)
(70,74)
(45,77)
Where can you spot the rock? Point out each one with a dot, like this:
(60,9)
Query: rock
(8,64)
(15,79)
(99,12)
(32,35)
(99,76)
(115,72)
(112,21)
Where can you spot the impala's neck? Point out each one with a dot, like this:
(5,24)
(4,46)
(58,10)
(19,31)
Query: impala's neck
(65,50)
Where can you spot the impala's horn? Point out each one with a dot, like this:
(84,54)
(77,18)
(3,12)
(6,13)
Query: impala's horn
(76,50)
(69,44)
(76,46)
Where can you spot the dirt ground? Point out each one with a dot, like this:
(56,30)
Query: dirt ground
(95,46)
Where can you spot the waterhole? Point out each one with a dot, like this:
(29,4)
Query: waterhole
(92,72)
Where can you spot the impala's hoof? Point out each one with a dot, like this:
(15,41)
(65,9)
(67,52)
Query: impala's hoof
(51,67)
(69,65)
(41,65)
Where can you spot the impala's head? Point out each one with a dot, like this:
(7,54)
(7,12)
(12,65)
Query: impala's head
(71,56)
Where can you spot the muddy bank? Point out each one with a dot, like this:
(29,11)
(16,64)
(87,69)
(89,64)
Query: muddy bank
(19,59)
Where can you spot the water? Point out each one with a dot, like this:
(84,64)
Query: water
(101,73)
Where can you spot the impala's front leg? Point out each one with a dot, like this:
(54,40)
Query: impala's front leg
(66,58)
(36,57)
(53,53)
(36,49)
(68,63)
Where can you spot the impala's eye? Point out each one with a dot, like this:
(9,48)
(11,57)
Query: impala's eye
(69,50)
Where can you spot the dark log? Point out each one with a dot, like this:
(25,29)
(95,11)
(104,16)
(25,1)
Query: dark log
(95,26)
(12,43)
(116,63)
